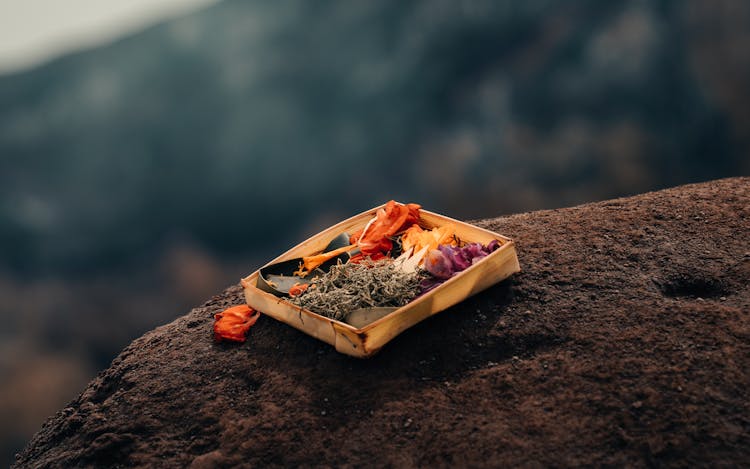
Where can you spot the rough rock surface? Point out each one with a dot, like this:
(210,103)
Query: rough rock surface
(624,341)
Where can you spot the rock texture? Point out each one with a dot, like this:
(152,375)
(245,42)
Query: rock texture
(624,341)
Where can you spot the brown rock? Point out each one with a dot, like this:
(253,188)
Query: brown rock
(599,352)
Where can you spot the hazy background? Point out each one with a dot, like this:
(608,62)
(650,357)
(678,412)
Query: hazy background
(152,155)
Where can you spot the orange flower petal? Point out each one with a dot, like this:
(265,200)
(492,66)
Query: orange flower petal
(233,323)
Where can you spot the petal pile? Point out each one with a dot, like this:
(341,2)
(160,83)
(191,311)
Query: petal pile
(389,220)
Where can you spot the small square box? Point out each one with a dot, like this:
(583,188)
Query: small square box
(367,340)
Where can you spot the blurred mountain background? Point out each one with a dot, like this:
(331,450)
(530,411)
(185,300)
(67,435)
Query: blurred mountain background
(140,177)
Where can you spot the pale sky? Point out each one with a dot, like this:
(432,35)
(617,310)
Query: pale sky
(35,31)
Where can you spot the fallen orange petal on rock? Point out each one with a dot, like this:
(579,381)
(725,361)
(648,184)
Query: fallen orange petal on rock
(233,323)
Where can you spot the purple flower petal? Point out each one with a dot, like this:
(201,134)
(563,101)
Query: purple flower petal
(438,264)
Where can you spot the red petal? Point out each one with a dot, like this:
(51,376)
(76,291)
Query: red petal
(389,220)
(233,323)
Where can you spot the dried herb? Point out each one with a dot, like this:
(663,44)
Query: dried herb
(350,286)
